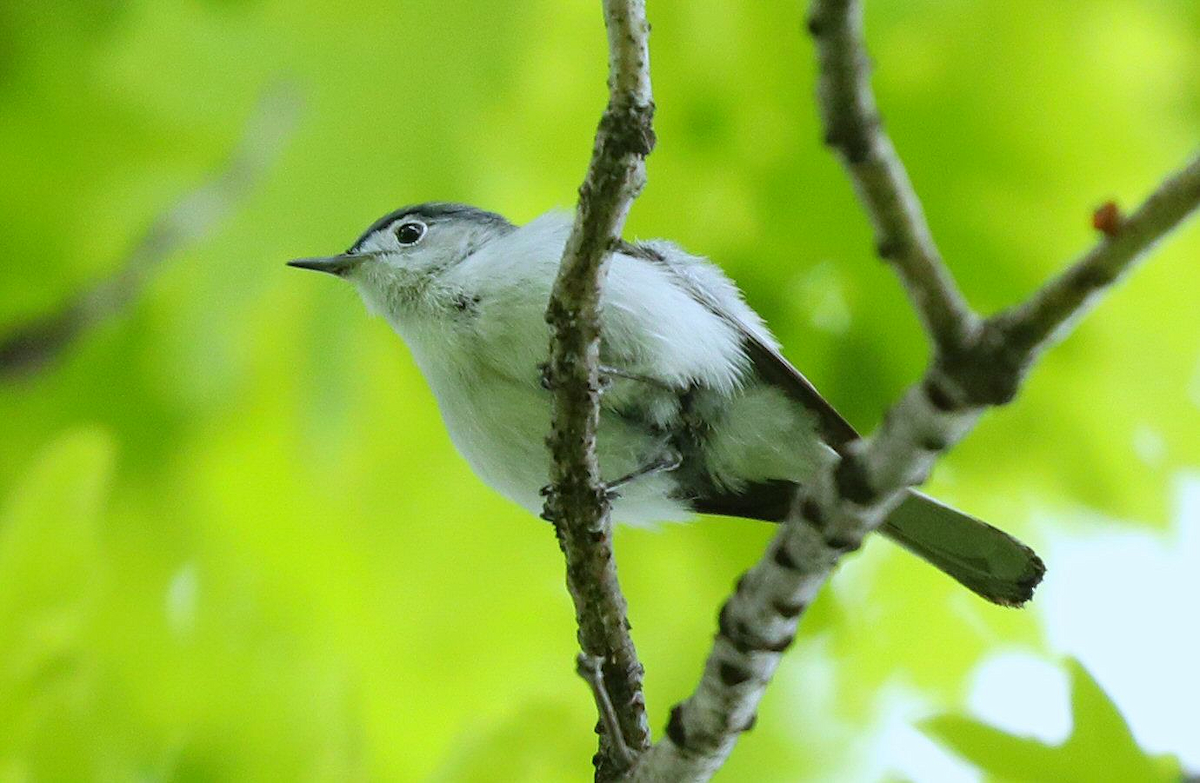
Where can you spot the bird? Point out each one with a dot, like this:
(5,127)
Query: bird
(700,411)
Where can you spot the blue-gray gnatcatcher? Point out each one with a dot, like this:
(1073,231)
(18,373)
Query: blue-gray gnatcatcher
(701,413)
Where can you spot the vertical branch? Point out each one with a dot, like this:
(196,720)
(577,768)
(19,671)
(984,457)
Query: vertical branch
(576,500)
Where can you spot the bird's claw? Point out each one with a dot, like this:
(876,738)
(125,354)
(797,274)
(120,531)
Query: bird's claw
(611,491)
(606,376)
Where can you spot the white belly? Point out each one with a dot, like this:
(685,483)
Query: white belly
(499,424)
(500,428)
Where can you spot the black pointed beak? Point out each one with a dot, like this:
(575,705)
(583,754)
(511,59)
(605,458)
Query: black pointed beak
(334,265)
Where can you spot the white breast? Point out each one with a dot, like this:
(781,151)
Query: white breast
(483,369)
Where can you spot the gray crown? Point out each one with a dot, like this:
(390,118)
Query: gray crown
(434,211)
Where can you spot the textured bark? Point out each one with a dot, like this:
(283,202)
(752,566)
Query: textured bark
(977,363)
(853,127)
(577,501)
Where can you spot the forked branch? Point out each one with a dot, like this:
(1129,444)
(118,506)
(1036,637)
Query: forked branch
(976,364)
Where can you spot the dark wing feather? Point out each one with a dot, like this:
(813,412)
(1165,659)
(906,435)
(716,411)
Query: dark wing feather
(985,559)
(766,500)
(773,369)
(771,500)
(767,363)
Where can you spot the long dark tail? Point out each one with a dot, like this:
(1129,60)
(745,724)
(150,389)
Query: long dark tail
(982,558)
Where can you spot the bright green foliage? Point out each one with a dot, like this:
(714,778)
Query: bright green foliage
(1100,746)
(237,543)
(53,578)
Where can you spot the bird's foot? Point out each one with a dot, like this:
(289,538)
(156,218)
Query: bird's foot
(607,375)
(668,461)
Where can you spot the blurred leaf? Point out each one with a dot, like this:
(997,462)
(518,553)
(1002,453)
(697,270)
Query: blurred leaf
(1100,747)
(48,527)
(304,580)
(527,746)
(50,581)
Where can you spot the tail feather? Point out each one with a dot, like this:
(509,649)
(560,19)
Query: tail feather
(984,559)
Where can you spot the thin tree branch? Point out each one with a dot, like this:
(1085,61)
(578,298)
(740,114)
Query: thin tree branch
(990,368)
(852,496)
(33,345)
(592,671)
(1075,291)
(853,126)
(576,500)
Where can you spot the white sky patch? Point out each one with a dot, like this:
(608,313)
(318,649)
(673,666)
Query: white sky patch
(904,751)
(915,757)
(809,680)
(1122,599)
(1024,695)
(843,751)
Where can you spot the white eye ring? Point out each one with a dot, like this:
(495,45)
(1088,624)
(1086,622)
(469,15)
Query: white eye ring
(410,232)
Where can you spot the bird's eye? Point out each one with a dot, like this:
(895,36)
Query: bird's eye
(410,233)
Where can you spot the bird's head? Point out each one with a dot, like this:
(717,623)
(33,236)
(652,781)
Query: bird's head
(399,258)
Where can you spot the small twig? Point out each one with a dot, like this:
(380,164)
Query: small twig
(1127,238)
(577,501)
(591,670)
(973,369)
(853,126)
(30,346)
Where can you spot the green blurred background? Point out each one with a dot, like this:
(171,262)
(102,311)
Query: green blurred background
(235,540)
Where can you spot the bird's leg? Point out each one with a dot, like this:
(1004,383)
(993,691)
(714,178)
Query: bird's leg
(607,374)
(666,462)
(669,460)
